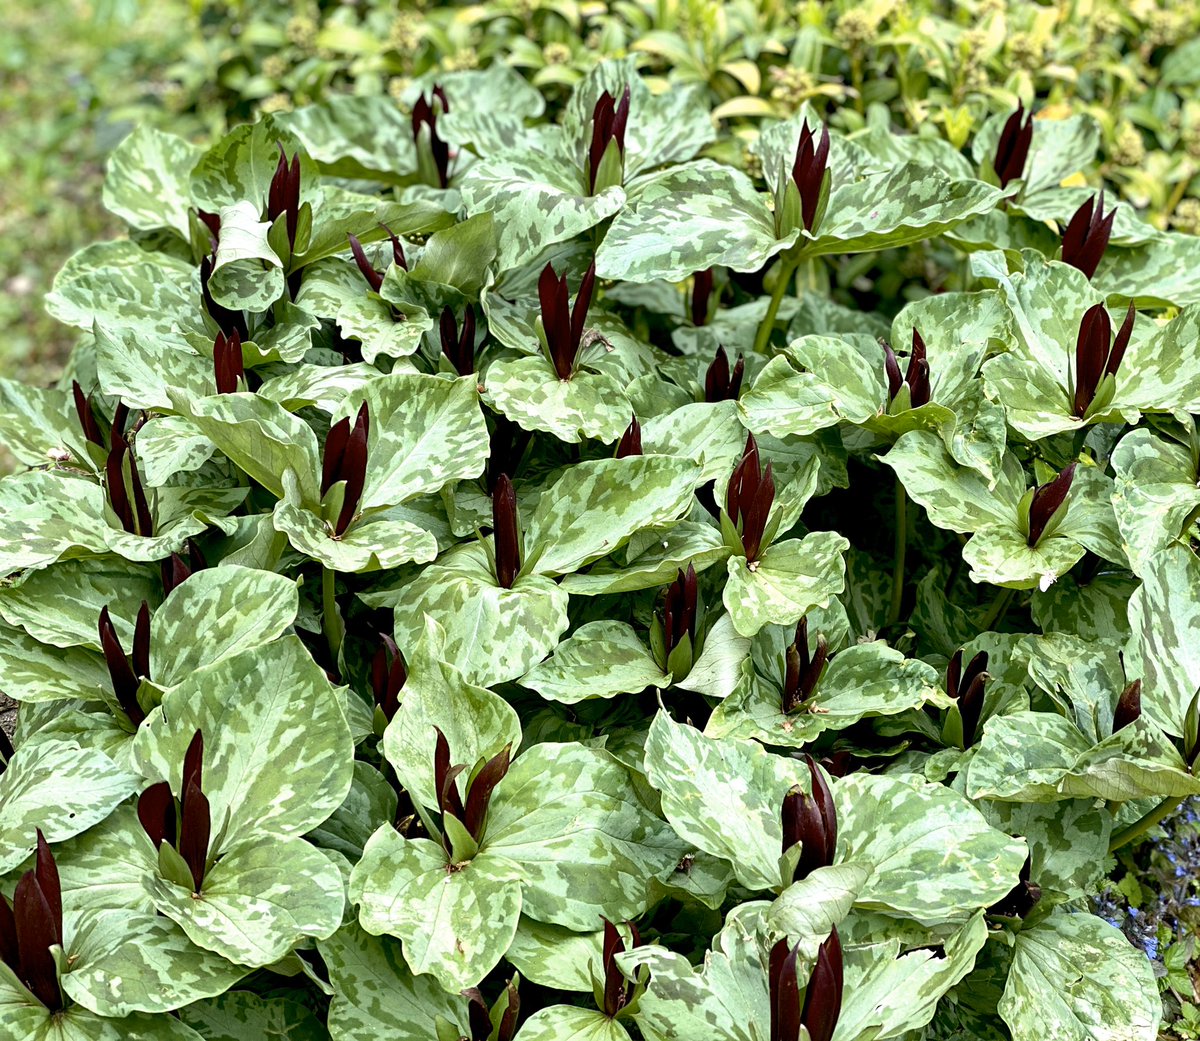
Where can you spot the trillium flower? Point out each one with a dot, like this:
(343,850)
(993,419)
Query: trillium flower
(433,154)
(283,196)
(1012,149)
(561,329)
(480,1017)
(1129,706)
(126,677)
(606,156)
(506,530)
(823,995)
(631,440)
(1043,509)
(458,347)
(345,464)
(721,384)
(1098,355)
(619,993)
(175,570)
(676,632)
(388,676)
(375,278)
(811,821)
(470,816)
(1022,898)
(126,494)
(810,175)
(506,445)
(1087,234)
(702,287)
(748,502)
(227,362)
(87,417)
(180,830)
(912,390)
(802,669)
(966,689)
(31,925)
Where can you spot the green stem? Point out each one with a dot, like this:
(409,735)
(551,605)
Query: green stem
(334,632)
(1143,824)
(783,279)
(997,611)
(893,615)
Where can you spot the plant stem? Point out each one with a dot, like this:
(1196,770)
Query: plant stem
(1143,824)
(893,615)
(333,622)
(997,611)
(783,279)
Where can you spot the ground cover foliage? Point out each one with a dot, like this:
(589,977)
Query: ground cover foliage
(479,583)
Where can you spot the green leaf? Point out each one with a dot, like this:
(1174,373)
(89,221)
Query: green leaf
(589,512)
(693,217)
(240,166)
(460,256)
(554,956)
(277,750)
(537,198)
(247,274)
(243,608)
(147,181)
(240,1014)
(1076,978)
(786,582)
(808,909)
(568,1023)
(121,962)
(724,796)
(652,557)
(785,403)
(258,901)
(934,857)
(375,992)
(1154,494)
(455,922)
(561,809)
(38,424)
(356,137)
(527,390)
(35,672)
(370,802)
(600,660)
(60,787)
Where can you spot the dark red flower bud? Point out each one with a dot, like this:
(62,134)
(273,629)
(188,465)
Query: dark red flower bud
(388,676)
(345,459)
(194,831)
(459,348)
(444,776)
(227,362)
(808,172)
(631,441)
(609,119)
(227,321)
(506,531)
(124,679)
(1047,499)
(424,114)
(784,986)
(967,688)
(134,516)
(212,221)
(719,383)
(823,995)
(479,791)
(156,811)
(175,570)
(508,1021)
(749,497)
(1022,898)
(1087,235)
(618,991)
(892,367)
(374,278)
(506,446)
(1094,357)
(1012,149)
(478,1015)
(398,257)
(87,418)
(702,287)
(564,326)
(1129,706)
(917,376)
(10,953)
(283,197)
(812,821)
(679,612)
(802,670)
(36,926)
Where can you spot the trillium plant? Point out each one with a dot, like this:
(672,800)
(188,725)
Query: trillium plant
(511,567)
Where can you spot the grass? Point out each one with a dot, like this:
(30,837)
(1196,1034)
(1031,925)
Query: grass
(74,79)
